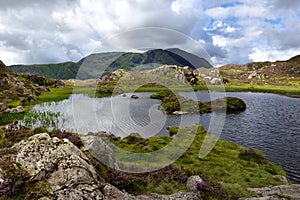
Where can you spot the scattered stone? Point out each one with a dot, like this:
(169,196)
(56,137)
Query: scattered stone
(18,109)
(134,96)
(192,182)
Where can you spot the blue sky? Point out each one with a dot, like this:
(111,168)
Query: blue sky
(229,31)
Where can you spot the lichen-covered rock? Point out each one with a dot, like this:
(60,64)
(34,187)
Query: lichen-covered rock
(192,182)
(277,192)
(64,167)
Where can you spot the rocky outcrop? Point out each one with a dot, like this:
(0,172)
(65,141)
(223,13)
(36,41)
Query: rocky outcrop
(181,74)
(65,167)
(42,81)
(281,192)
(275,73)
(69,173)
(113,76)
(17,89)
(170,72)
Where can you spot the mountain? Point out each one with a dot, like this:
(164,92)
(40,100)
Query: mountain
(154,58)
(98,64)
(196,61)
(278,73)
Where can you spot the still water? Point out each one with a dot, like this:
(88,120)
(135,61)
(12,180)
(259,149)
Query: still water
(271,123)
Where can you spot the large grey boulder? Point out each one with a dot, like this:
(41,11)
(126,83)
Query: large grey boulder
(65,167)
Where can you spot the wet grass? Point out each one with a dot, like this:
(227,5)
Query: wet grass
(55,95)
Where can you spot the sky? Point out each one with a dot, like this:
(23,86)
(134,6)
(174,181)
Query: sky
(242,31)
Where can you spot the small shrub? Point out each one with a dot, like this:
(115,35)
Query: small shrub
(201,186)
(15,181)
(13,135)
(211,189)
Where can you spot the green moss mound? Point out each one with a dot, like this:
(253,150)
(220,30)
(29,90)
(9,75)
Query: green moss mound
(173,102)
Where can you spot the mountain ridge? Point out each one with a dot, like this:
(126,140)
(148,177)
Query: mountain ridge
(94,65)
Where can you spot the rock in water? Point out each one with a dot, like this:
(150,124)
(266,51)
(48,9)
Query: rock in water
(65,168)
(134,96)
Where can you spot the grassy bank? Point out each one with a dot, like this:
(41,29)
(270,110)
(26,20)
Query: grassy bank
(174,102)
(228,170)
(55,95)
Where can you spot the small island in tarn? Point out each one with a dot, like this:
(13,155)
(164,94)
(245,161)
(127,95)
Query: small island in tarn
(176,104)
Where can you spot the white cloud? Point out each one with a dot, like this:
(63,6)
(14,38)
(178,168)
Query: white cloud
(231,31)
(269,54)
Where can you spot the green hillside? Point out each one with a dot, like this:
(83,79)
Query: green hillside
(98,64)
(65,70)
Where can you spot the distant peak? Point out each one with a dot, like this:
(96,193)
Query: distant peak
(295,58)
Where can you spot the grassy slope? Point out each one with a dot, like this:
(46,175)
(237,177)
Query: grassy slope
(65,70)
(222,164)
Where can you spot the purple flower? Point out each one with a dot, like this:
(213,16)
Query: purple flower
(201,185)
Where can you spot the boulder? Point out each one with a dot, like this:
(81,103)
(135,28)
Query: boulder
(97,146)
(134,96)
(192,182)
(65,167)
